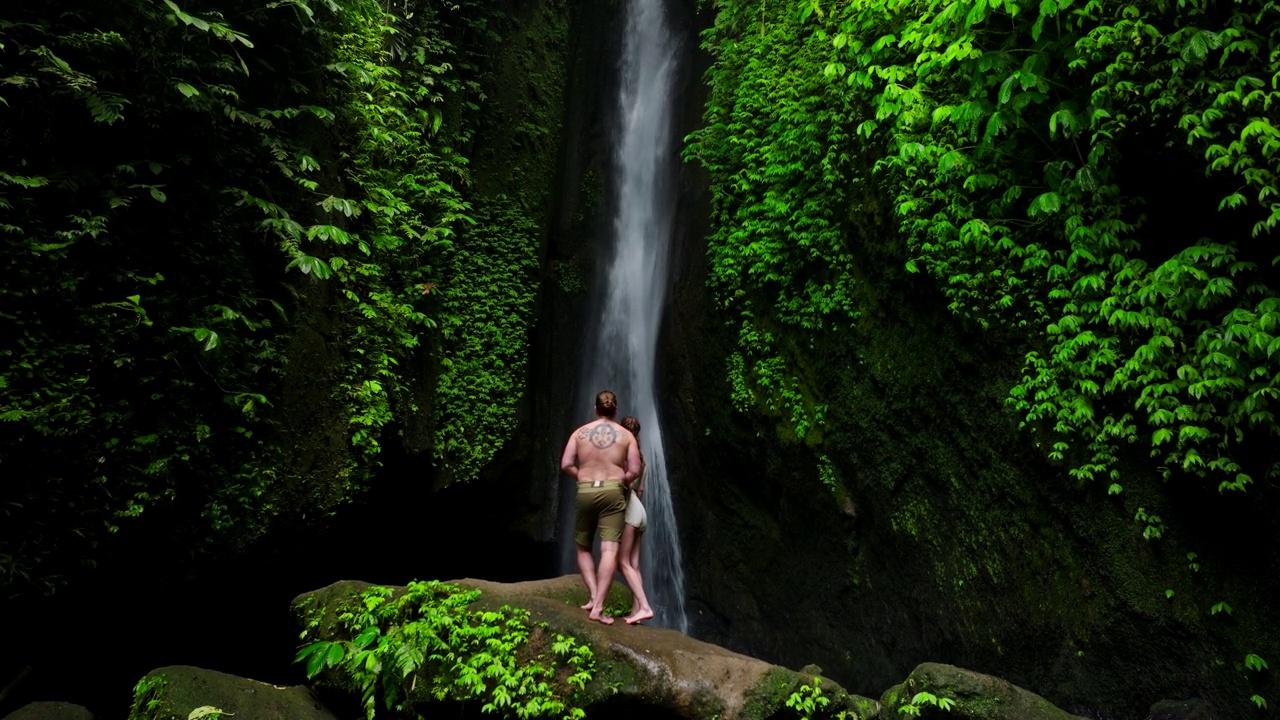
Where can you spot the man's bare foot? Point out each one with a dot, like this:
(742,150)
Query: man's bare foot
(600,617)
(638,616)
(587,605)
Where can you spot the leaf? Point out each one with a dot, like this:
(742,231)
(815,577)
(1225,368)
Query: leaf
(311,265)
(157,195)
(1006,88)
(205,711)
(1196,49)
(334,655)
(187,90)
(1045,203)
(370,634)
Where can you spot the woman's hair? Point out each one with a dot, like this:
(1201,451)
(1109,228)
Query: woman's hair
(632,425)
(606,404)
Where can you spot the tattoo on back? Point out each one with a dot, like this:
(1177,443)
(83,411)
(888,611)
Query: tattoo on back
(603,436)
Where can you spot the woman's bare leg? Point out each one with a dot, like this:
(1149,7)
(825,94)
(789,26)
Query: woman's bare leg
(630,562)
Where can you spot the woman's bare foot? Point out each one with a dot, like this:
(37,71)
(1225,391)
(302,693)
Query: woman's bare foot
(601,617)
(638,616)
(587,605)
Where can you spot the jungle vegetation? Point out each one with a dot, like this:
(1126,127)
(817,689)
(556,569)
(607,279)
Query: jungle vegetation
(1010,144)
(247,246)
(244,246)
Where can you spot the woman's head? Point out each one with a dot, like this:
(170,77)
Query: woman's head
(606,404)
(631,424)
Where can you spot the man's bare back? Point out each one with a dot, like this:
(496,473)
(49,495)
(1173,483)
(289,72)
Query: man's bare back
(604,458)
(601,450)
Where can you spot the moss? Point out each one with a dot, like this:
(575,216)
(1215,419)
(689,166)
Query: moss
(768,697)
(608,678)
(706,704)
(769,694)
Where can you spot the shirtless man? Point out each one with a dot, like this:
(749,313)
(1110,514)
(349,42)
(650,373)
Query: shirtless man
(604,458)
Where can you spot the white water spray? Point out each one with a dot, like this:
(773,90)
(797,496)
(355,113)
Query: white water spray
(624,349)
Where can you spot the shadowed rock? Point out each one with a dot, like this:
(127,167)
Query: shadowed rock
(50,711)
(645,669)
(176,692)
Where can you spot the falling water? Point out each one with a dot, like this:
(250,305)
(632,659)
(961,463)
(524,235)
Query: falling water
(625,347)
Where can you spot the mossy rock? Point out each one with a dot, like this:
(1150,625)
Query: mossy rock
(975,696)
(768,697)
(644,669)
(182,692)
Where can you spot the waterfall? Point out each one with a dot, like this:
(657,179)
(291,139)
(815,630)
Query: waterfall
(622,343)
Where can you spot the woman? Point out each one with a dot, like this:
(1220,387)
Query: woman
(632,534)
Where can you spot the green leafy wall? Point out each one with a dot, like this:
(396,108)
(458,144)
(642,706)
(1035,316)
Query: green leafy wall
(986,277)
(249,245)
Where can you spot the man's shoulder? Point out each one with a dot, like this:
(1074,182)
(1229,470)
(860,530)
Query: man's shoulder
(587,426)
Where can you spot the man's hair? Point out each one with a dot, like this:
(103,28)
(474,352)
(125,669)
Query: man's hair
(631,424)
(606,404)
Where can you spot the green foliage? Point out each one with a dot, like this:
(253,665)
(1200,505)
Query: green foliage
(924,699)
(773,142)
(146,697)
(808,700)
(1002,132)
(212,239)
(487,308)
(427,645)
(1153,526)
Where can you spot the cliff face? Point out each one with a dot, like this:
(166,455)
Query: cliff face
(923,524)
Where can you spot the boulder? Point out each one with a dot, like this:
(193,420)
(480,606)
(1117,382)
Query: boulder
(974,696)
(179,691)
(655,671)
(50,711)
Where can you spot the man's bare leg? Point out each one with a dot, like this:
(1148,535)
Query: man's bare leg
(604,578)
(587,566)
(630,562)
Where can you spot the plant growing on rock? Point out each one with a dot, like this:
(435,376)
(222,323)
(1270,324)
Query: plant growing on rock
(428,645)
(925,699)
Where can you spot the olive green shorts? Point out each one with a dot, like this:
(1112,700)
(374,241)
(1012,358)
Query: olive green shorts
(600,504)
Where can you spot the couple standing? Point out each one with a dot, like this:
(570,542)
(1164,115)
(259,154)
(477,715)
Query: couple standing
(604,457)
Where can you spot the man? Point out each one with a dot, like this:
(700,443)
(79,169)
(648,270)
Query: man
(604,458)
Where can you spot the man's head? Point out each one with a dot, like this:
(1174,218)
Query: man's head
(631,424)
(606,404)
